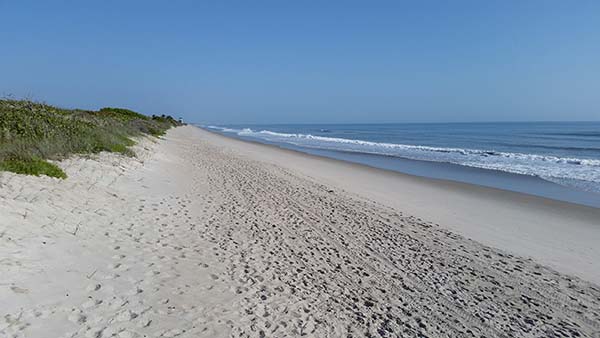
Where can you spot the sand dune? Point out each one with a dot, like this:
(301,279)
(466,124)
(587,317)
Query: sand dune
(199,238)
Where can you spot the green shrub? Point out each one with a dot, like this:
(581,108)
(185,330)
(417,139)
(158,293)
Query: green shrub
(120,113)
(34,166)
(31,132)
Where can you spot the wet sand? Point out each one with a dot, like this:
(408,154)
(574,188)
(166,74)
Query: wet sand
(205,236)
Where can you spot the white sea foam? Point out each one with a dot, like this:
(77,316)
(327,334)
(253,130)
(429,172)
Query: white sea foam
(553,168)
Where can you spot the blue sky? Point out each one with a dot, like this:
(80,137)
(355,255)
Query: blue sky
(308,61)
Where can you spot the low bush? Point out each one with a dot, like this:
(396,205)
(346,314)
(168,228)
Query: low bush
(32,132)
(35,166)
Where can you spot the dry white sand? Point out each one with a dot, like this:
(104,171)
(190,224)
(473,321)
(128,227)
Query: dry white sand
(204,236)
(561,235)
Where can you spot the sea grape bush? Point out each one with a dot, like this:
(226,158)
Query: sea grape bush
(31,133)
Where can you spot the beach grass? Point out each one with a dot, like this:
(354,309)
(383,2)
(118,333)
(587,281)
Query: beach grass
(35,166)
(32,133)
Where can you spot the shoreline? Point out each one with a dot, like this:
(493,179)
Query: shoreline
(206,236)
(560,234)
(491,178)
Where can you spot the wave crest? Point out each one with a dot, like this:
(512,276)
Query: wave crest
(545,166)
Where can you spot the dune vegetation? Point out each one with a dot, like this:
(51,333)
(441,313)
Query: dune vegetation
(32,133)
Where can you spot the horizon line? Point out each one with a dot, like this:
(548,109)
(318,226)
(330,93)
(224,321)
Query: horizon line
(357,123)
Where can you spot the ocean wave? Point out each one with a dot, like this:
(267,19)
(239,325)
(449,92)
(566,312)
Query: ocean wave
(545,166)
(549,147)
(546,158)
(227,130)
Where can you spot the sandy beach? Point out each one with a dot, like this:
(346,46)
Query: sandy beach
(206,236)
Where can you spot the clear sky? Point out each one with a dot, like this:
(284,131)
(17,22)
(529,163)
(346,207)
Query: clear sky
(308,61)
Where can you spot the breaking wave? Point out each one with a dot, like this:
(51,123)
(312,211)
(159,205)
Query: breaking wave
(552,168)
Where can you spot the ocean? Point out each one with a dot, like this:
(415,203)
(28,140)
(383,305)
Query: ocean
(559,160)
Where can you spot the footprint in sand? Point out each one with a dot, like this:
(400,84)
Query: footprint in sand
(93,287)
